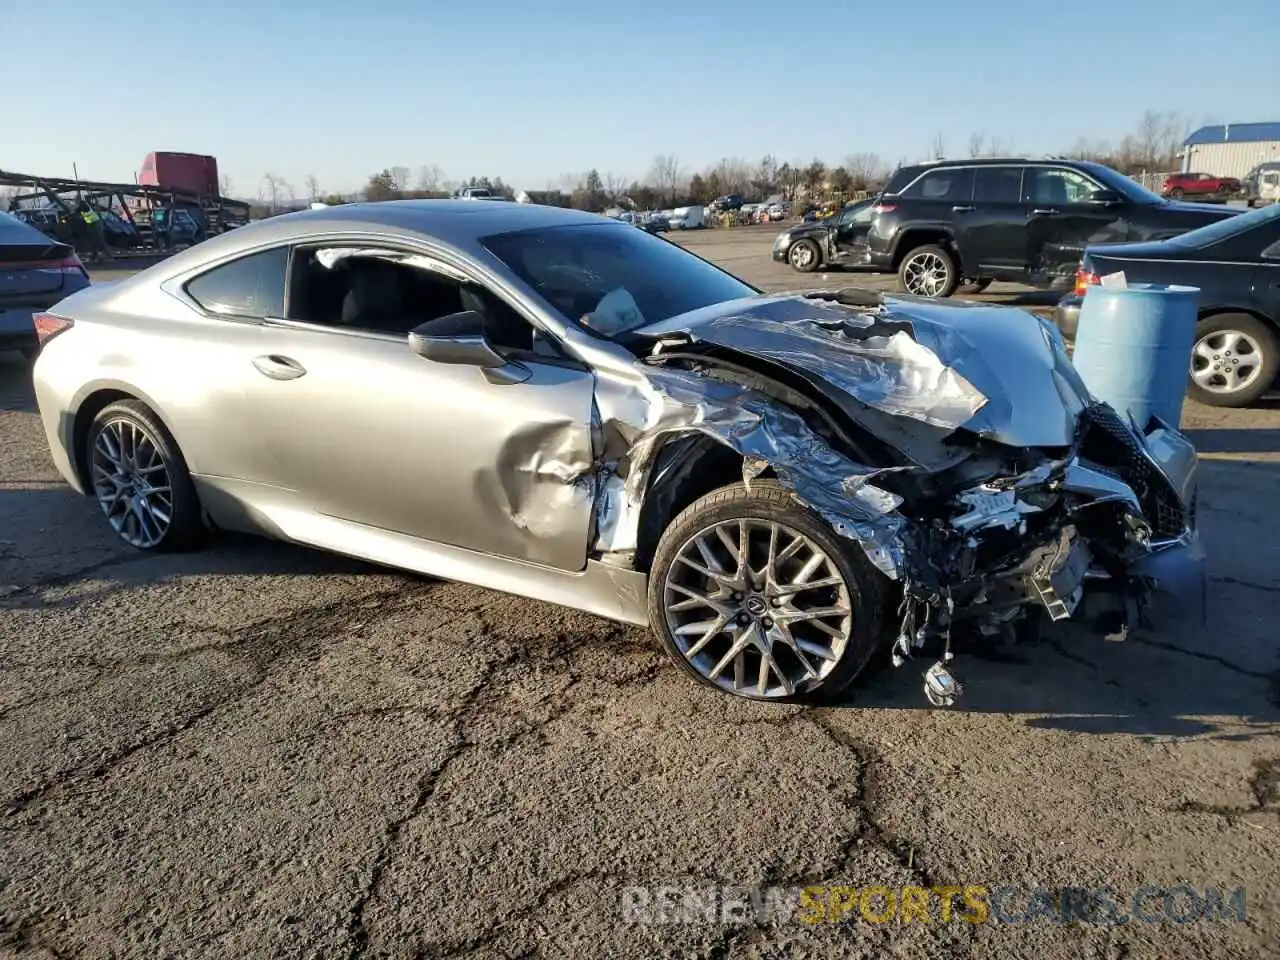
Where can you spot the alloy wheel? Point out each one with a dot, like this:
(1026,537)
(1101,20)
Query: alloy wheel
(131,482)
(757,608)
(1226,361)
(801,255)
(926,274)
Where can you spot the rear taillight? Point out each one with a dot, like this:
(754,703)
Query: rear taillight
(884,208)
(1085,279)
(69,264)
(49,326)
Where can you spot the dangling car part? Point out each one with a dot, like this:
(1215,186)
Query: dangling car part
(554,404)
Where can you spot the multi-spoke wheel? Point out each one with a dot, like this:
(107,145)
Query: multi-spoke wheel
(140,480)
(929,271)
(754,594)
(804,256)
(1234,360)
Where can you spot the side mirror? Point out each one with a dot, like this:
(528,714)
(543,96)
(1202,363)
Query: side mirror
(459,338)
(1105,197)
(456,338)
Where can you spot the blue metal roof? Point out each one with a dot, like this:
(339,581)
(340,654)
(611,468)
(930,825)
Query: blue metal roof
(1234,133)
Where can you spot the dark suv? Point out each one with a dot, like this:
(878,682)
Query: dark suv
(939,225)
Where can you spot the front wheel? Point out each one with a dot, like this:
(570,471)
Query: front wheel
(1234,360)
(140,479)
(804,256)
(929,271)
(752,593)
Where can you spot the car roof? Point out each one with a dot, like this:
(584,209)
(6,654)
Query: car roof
(458,223)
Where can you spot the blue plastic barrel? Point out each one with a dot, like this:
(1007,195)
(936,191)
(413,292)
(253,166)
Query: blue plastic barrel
(1133,347)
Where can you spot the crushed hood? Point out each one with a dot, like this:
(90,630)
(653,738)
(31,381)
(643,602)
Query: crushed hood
(999,372)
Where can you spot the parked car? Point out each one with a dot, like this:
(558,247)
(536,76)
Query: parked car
(954,222)
(1178,185)
(1236,265)
(36,272)
(731,202)
(554,404)
(812,244)
(1252,182)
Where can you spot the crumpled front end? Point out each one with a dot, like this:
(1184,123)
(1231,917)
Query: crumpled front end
(955,447)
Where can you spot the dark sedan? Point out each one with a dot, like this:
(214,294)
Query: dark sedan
(1236,265)
(36,272)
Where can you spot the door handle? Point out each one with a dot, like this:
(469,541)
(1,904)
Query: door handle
(1044,211)
(961,209)
(279,368)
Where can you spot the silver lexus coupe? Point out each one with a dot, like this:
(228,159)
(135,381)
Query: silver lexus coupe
(561,406)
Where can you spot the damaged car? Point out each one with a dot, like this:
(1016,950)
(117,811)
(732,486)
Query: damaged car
(552,404)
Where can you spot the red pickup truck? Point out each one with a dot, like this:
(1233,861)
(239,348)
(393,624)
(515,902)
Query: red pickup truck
(1199,185)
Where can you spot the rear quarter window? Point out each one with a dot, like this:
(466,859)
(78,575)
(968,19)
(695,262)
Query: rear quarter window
(251,287)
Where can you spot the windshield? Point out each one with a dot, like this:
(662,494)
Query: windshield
(612,279)
(1228,227)
(1114,180)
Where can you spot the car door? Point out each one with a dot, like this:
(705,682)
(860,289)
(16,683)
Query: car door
(1266,278)
(1063,219)
(367,431)
(993,233)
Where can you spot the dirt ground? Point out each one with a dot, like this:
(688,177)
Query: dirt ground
(261,751)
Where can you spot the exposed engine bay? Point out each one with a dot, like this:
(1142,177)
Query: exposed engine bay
(961,451)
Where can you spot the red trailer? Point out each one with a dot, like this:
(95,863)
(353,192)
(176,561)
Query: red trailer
(190,172)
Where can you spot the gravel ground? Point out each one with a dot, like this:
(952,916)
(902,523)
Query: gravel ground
(262,751)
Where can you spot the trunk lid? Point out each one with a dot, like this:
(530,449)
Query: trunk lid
(33,267)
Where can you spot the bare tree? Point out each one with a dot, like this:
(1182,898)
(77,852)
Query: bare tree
(400,178)
(614,186)
(977,140)
(1151,137)
(224,186)
(665,174)
(998,147)
(864,169)
(429,178)
(312,187)
(273,191)
(938,149)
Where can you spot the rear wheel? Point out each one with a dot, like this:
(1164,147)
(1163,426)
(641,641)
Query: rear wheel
(752,593)
(1176,193)
(929,271)
(804,256)
(1234,360)
(140,479)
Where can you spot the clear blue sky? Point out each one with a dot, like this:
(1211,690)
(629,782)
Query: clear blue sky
(529,91)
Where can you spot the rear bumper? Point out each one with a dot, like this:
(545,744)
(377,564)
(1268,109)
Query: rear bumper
(17,329)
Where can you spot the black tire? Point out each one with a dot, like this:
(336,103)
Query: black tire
(1176,193)
(186,528)
(952,280)
(973,286)
(768,501)
(1263,335)
(814,260)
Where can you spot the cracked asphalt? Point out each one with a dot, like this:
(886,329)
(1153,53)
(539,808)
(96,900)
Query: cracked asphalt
(261,751)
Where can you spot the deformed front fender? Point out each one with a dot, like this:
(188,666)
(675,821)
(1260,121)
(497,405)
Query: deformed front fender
(639,414)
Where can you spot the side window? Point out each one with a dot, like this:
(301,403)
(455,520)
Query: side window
(997,185)
(252,286)
(392,291)
(1050,185)
(943,186)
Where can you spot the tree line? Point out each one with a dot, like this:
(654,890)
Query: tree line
(1152,147)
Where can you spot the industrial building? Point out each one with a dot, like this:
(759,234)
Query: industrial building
(1231,149)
